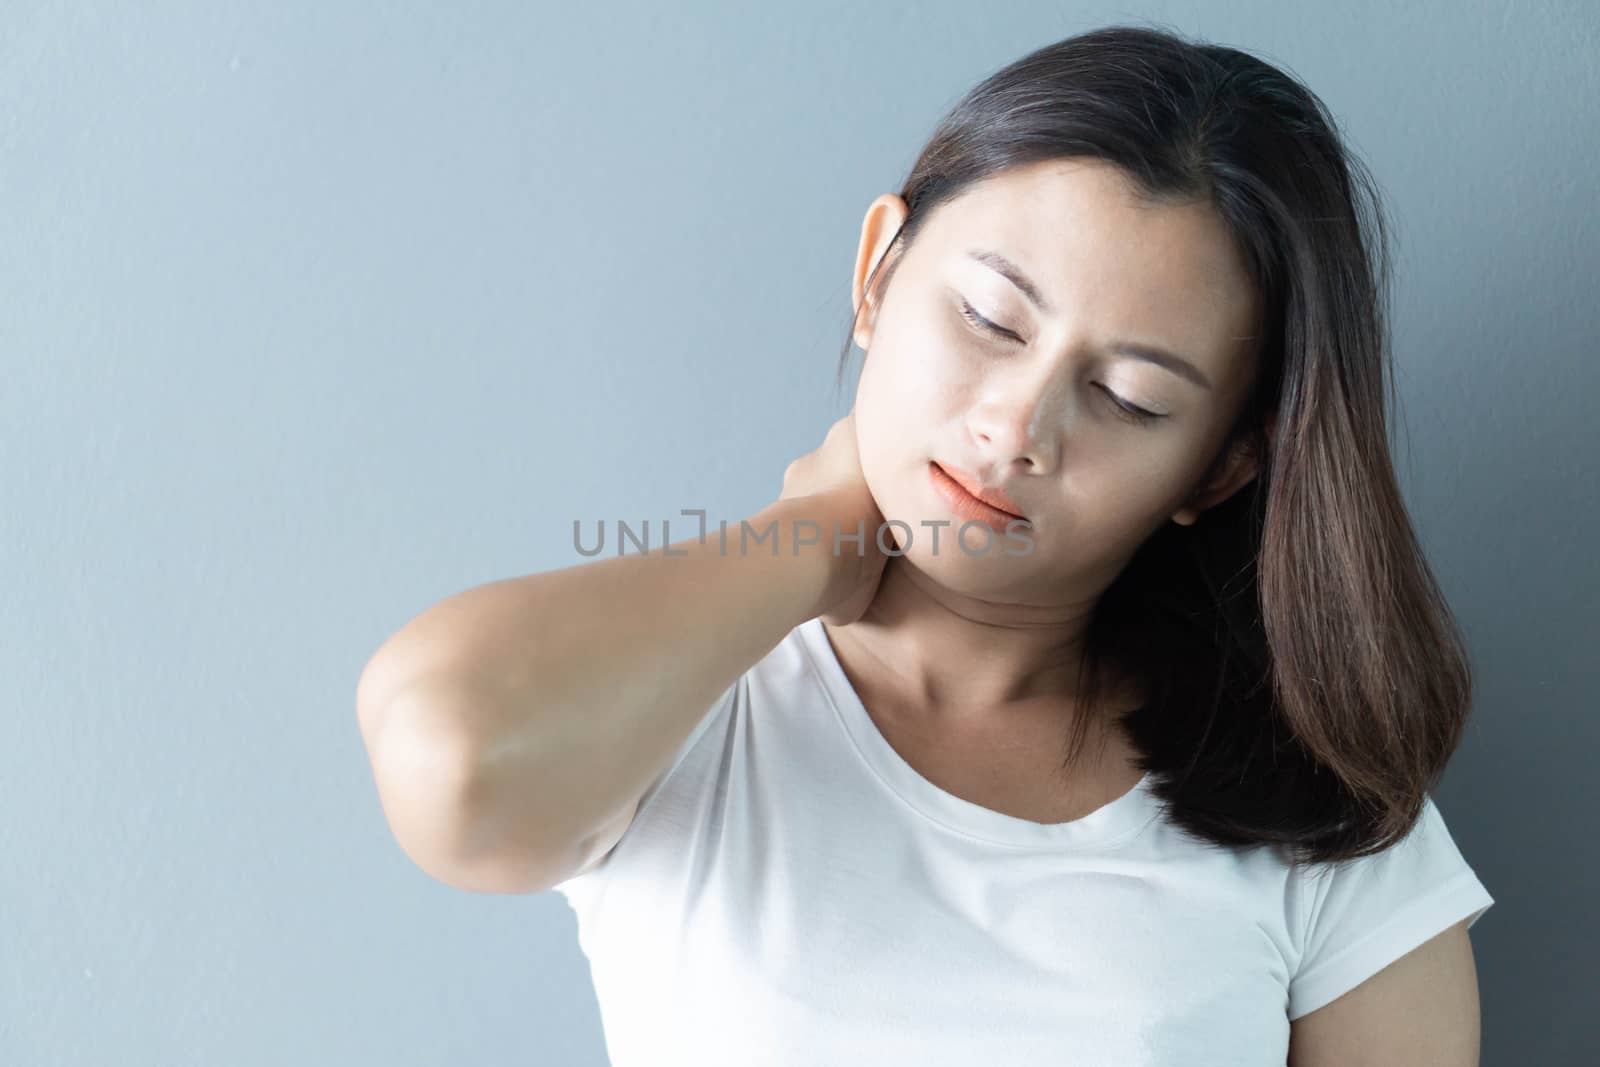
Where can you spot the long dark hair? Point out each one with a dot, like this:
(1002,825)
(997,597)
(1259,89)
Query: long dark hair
(1306,680)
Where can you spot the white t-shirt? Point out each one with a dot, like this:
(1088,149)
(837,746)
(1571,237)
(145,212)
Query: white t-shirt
(793,893)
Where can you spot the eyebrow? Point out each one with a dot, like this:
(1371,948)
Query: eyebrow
(1148,353)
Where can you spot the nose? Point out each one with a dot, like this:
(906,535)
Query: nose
(1019,423)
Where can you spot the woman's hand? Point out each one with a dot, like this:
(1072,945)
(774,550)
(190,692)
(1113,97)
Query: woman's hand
(832,490)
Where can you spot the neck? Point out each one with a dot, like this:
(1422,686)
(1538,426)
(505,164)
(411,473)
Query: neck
(964,660)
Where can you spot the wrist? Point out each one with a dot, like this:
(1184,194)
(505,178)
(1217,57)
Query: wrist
(825,540)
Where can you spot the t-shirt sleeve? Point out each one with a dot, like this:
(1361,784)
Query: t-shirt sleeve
(581,889)
(718,708)
(1367,912)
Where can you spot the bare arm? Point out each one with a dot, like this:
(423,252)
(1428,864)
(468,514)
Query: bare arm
(1421,1009)
(511,723)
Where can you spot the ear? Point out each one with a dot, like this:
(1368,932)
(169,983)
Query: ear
(883,219)
(1228,475)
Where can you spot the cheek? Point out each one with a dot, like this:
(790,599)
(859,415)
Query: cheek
(921,350)
(1130,491)
(889,453)
(879,437)
(904,399)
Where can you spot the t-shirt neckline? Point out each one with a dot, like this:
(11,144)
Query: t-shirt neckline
(1107,824)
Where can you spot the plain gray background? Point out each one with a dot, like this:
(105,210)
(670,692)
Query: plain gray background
(312,315)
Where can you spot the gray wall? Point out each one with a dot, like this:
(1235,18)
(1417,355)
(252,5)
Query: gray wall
(313,317)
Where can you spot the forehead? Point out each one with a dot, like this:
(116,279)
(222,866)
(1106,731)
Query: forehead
(1083,217)
(1101,257)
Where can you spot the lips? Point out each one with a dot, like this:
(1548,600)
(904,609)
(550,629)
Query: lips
(995,498)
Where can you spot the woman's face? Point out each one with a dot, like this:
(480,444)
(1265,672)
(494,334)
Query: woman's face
(1037,408)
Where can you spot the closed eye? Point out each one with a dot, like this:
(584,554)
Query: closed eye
(970,313)
(1136,414)
(1128,411)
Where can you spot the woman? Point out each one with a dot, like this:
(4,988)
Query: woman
(1126,762)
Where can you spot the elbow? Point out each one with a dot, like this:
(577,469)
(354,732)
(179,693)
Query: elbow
(423,773)
(429,787)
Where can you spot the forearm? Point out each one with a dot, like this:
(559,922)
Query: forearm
(571,689)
